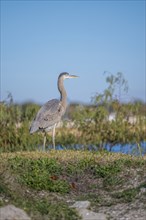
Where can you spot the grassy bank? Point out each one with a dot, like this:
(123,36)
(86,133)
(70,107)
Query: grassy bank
(46,184)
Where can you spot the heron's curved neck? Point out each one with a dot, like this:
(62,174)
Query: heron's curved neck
(63,95)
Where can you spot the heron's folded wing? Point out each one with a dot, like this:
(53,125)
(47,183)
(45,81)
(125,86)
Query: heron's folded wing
(49,114)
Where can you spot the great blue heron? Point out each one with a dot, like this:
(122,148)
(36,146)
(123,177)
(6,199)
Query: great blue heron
(51,112)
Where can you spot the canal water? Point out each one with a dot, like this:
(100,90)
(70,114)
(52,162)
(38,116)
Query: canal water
(132,149)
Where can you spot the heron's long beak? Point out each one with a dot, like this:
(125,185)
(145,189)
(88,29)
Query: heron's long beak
(73,76)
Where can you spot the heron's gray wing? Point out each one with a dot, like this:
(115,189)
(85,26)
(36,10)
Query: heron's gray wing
(48,115)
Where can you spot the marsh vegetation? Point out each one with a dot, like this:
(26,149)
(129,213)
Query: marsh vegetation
(106,122)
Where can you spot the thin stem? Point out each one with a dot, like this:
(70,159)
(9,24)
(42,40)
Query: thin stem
(139,148)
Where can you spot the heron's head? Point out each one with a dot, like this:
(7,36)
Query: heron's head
(66,75)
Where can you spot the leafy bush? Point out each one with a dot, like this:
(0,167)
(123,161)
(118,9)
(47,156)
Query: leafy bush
(40,174)
(15,127)
(126,195)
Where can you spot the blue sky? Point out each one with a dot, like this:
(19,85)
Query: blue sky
(40,39)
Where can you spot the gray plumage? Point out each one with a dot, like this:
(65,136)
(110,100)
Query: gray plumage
(51,112)
(48,115)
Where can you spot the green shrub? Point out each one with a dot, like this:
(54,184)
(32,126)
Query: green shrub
(43,173)
(126,195)
(107,170)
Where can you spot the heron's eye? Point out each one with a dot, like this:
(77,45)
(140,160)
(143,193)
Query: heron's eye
(66,76)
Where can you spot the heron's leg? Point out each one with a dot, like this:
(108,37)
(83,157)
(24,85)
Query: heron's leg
(53,136)
(44,141)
